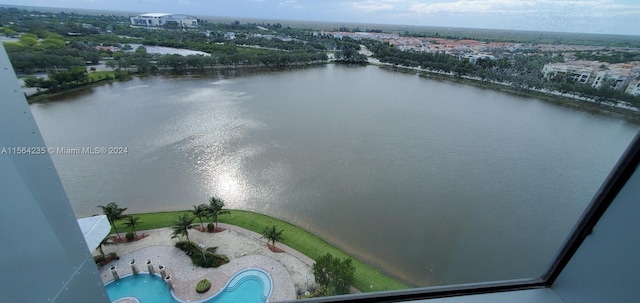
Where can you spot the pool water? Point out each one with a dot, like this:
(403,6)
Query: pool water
(250,285)
(144,287)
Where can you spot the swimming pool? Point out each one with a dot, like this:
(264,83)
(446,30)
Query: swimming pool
(249,285)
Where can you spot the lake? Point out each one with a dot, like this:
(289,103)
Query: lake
(431,181)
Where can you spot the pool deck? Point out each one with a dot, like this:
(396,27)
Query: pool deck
(289,271)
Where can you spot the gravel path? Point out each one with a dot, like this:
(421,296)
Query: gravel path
(291,272)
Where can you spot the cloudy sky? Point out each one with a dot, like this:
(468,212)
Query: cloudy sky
(590,16)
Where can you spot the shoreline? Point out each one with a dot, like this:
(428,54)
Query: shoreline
(308,245)
(44,96)
(549,96)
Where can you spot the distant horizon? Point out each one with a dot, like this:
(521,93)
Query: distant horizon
(614,17)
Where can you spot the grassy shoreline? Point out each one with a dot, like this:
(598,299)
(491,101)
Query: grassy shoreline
(97,78)
(366,279)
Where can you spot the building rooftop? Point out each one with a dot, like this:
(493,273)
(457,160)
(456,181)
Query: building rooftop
(155,15)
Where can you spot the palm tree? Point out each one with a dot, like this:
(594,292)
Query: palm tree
(272,234)
(131,223)
(105,242)
(181,226)
(216,207)
(200,211)
(113,213)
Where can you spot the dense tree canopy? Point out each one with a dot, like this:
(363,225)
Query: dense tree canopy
(335,275)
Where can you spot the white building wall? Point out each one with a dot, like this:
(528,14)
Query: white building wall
(634,88)
(619,81)
(182,20)
(595,73)
(159,19)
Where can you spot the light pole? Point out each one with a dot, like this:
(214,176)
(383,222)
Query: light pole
(203,257)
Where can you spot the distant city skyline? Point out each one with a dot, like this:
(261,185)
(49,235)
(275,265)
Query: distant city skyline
(581,16)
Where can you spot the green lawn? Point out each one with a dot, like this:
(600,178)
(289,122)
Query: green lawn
(101,74)
(367,278)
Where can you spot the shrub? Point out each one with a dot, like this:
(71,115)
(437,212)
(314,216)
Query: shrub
(335,274)
(130,237)
(203,286)
(123,76)
(210,260)
(113,255)
(98,259)
(198,260)
(188,247)
(211,227)
(219,260)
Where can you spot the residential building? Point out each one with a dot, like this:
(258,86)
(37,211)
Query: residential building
(618,75)
(634,87)
(617,79)
(473,58)
(595,73)
(578,71)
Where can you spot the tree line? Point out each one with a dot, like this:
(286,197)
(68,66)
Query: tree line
(523,71)
(60,80)
(34,53)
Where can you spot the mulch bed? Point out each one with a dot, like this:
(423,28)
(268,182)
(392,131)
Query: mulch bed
(274,249)
(108,259)
(205,230)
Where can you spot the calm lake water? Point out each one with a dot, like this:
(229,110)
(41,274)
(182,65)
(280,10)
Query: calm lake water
(432,182)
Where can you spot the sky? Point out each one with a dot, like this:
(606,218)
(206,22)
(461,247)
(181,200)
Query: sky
(584,16)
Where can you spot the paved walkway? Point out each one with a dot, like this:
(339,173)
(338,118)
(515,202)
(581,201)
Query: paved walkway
(291,272)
